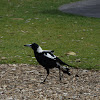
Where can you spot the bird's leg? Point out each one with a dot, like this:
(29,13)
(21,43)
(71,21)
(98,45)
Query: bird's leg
(46,75)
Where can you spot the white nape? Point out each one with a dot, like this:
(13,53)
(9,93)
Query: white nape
(39,50)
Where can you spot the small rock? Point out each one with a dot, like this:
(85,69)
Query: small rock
(76,75)
(65,94)
(14,65)
(84,71)
(9,98)
(13,69)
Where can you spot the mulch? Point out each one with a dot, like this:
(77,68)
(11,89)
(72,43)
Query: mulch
(23,82)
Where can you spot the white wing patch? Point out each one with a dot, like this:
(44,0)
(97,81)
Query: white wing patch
(49,56)
(48,51)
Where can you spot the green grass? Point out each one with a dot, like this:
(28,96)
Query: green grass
(28,21)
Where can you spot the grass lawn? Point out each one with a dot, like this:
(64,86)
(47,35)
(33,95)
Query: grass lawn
(27,21)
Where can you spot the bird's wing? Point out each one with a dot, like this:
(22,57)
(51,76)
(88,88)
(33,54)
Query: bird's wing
(48,51)
(50,55)
(61,62)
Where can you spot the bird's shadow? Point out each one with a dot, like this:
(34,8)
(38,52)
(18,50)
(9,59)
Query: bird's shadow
(57,12)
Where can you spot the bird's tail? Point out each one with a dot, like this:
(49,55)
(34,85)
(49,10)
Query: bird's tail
(65,70)
(62,63)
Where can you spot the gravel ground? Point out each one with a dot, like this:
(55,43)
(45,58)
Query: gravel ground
(22,82)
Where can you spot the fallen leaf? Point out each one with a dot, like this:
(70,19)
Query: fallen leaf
(71,53)
(36,18)
(43,42)
(59,35)
(3,58)
(77,60)
(17,18)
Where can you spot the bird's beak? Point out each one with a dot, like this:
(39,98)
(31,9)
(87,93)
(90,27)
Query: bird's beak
(28,45)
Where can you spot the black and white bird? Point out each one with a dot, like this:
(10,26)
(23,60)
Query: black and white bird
(48,60)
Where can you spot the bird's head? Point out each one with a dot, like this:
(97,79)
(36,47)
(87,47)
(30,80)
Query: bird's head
(34,46)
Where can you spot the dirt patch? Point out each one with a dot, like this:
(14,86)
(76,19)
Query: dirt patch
(22,82)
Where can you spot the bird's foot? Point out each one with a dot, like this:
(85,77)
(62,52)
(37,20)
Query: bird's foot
(42,82)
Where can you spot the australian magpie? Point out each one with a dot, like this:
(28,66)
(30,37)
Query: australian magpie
(48,60)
